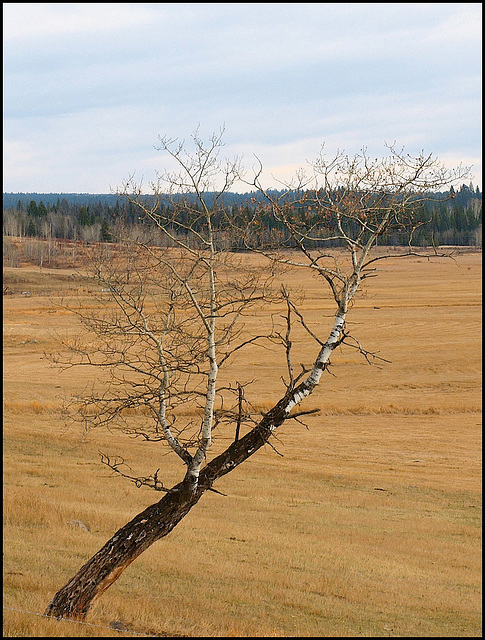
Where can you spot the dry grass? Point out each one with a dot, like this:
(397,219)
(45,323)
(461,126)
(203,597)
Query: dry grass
(370,525)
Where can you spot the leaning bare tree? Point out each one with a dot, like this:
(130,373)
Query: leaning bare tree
(176,323)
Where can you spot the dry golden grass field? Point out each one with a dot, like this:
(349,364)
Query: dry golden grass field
(369,525)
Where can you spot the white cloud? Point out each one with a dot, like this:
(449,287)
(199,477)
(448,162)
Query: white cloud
(88,87)
(31,20)
(463,27)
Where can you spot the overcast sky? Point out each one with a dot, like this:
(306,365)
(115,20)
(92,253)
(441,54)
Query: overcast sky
(89,87)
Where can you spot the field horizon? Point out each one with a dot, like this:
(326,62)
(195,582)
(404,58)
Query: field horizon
(364,521)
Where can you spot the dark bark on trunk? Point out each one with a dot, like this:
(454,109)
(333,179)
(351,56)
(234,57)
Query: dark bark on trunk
(75,598)
(242,449)
(156,521)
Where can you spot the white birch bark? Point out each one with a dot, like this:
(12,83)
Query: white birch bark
(349,290)
(205,442)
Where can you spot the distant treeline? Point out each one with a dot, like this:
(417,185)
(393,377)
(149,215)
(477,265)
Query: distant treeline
(453,218)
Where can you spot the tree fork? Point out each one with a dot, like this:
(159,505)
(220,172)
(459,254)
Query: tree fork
(74,600)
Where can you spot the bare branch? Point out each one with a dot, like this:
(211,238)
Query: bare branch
(115,465)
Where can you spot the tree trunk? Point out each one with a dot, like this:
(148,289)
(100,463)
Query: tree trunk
(156,521)
(75,598)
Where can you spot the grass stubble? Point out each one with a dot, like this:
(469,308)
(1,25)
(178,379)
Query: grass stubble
(369,525)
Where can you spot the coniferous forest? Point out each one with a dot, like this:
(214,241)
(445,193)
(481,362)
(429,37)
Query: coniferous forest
(452,218)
